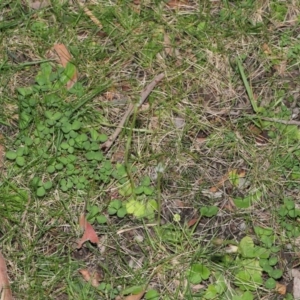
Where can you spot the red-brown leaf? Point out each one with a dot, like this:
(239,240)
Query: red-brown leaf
(89,233)
(5,291)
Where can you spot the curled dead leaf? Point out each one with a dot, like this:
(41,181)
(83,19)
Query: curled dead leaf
(89,232)
(39,4)
(5,291)
(135,297)
(64,58)
(280,288)
(93,277)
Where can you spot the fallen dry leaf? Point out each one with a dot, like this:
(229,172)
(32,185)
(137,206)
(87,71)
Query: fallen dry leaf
(167,45)
(280,288)
(296,283)
(135,297)
(266,49)
(93,277)
(5,291)
(65,58)
(89,232)
(38,4)
(192,222)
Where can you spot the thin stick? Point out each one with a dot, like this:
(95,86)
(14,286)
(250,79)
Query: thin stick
(90,14)
(144,95)
(286,122)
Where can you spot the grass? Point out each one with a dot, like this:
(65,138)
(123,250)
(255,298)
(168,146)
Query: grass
(189,158)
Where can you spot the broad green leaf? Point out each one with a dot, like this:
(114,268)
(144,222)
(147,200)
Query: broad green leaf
(198,272)
(20,161)
(246,247)
(270,284)
(11,155)
(152,295)
(51,169)
(277,273)
(211,292)
(209,211)
(102,138)
(76,125)
(101,219)
(47,185)
(130,206)
(125,190)
(122,212)
(40,192)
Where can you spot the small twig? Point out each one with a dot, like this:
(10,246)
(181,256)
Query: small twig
(286,122)
(90,15)
(145,93)
(136,227)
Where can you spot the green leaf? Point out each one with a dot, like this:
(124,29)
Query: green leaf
(102,138)
(234,178)
(93,210)
(11,155)
(76,125)
(20,161)
(273,261)
(211,292)
(148,190)
(40,192)
(28,141)
(64,145)
(25,91)
(146,181)
(133,290)
(47,185)
(198,272)
(125,190)
(246,247)
(277,273)
(289,204)
(51,169)
(209,211)
(59,166)
(261,252)
(101,219)
(66,128)
(270,284)
(24,120)
(152,295)
(122,212)
(139,190)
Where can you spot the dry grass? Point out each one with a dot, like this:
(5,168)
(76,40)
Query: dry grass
(198,122)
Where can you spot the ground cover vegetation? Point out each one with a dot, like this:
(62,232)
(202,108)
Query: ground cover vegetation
(149,149)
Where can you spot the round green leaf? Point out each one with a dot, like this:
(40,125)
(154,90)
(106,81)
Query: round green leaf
(40,192)
(28,141)
(59,166)
(122,212)
(273,261)
(277,273)
(76,125)
(12,155)
(50,169)
(20,161)
(270,284)
(101,219)
(47,185)
(102,138)
(64,145)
